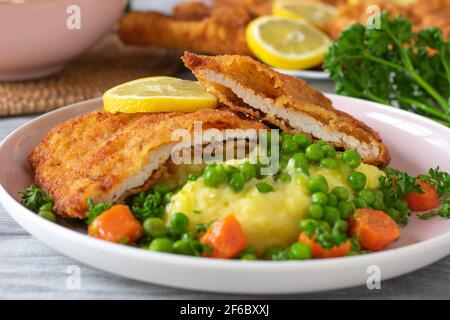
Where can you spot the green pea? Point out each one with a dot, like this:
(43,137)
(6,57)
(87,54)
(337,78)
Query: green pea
(315,211)
(162,188)
(318,184)
(249,257)
(321,142)
(332,200)
(329,163)
(284,177)
(346,208)
(179,222)
(284,161)
(299,159)
(307,225)
(46,207)
(351,158)
(360,203)
(48,215)
(301,163)
(379,194)
(302,140)
(237,182)
(214,175)
(154,227)
(314,152)
(188,236)
(231,170)
(341,193)
(289,146)
(210,176)
(368,195)
(286,136)
(319,198)
(248,171)
(323,226)
(300,251)
(304,170)
(378,204)
(264,187)
(329,151)
(357,180)
(182,247)
(192,176)
(161,245)
(341,226)
(331,214)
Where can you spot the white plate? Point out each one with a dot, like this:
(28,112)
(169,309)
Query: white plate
(416,144)
(306,74)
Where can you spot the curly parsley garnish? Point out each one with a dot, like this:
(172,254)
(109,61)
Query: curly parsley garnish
(151,203)
(34,198)
(438,179)
(395,66)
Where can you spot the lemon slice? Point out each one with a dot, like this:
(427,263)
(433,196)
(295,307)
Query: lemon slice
(158,94)
(286,43)
(316,13)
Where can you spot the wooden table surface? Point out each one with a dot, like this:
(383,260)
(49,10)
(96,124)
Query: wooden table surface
(30,270)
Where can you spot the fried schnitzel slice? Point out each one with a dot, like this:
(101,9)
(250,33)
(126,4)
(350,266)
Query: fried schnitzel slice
(104,157)
(248,86)
(214,31)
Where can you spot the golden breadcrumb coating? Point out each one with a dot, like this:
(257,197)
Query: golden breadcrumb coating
(93,155)
(287,95)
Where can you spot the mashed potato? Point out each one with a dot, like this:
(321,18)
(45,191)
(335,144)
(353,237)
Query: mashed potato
(268,219)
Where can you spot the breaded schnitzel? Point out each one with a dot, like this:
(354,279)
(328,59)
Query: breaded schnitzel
(248,86)
(103,156)
(196,28)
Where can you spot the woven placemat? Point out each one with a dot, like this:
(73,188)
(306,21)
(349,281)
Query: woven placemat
(104,66)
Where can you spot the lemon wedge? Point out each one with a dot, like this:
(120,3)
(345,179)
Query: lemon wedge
(286,43)
(158,94)
(316,13)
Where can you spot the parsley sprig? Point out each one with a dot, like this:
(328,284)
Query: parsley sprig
(438,179)
(395,66)
(397,184)
(443,212)
(150,203)
(34,198)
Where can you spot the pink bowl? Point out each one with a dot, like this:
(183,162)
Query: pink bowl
(38,37)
